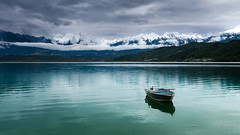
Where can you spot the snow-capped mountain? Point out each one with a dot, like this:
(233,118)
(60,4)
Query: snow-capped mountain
(167,39)
(73,42)
(222,37)
(151,40)
(70,39)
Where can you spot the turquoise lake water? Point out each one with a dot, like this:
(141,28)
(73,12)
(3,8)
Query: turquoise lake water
(109,99)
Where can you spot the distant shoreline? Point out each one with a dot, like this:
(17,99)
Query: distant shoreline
(133,62)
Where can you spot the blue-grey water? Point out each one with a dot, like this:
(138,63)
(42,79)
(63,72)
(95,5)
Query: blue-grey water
(109,99)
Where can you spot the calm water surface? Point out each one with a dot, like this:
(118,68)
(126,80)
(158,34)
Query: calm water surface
(109,99)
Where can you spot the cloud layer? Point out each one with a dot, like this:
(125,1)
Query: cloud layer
(114,18)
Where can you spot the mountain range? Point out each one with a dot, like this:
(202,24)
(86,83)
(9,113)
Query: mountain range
(80,42)
(86,47)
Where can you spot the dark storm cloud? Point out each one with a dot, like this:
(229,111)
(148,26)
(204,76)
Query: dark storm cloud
(43,10)
(123,17)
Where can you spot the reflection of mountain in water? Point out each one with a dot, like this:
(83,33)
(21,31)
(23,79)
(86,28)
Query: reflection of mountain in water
(166,107)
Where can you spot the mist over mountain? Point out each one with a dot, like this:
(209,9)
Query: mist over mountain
(83,42)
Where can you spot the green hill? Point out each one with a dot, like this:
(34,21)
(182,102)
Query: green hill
(13,53)
(224,52)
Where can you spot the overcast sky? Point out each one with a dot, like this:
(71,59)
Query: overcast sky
(118,18)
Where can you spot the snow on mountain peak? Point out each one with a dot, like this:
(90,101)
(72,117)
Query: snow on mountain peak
(64,39)
(70,38)
(233,30)
(150,40)
(194,36)
(150,36)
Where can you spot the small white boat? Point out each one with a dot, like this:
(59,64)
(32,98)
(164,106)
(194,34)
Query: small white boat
(160,94)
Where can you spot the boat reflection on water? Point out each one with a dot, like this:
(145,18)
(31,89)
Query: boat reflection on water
(166,107)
